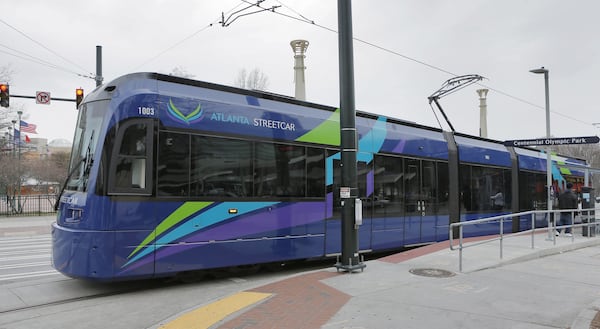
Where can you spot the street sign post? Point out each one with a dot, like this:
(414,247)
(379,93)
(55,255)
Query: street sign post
(553,141)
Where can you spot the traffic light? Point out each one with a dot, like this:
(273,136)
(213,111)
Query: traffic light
(78,96)
(4,95)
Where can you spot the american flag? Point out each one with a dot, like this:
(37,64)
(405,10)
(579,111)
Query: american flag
(28,127)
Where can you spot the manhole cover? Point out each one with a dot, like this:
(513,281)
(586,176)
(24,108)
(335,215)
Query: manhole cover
(432,272)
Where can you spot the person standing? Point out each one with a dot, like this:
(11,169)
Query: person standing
(497,201)
(566,200)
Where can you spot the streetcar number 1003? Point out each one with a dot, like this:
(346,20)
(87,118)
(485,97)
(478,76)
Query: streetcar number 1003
(142,110)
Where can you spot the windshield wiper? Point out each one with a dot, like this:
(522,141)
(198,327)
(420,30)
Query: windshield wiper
(87,159)
(62,190)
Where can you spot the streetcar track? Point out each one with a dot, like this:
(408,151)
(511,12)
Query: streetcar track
(36,274)
(37,256)
(22,250)
(69,300)
(23,265)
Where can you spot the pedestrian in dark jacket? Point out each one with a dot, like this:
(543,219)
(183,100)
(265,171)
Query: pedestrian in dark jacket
(566,200)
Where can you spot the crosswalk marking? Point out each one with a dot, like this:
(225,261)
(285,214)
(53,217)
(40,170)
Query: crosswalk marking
(206,316)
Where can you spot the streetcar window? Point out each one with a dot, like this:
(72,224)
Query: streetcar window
(389,193)
(481,187)
(173,167)
(532,191)
(315,172)
(89,122)
(221,167)
(130,172)
(279,170)
(194,165)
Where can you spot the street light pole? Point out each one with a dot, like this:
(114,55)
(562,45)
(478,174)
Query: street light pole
(14,149)
(19,165)
(544,71)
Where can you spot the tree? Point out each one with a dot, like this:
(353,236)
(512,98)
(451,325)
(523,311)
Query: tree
(181,72)
(49,170)
(256,80)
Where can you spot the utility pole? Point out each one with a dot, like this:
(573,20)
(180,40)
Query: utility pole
(19,209)
(350,260)
(98,77)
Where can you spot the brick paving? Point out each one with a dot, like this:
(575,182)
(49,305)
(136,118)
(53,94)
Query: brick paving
(595,322)
(303,302)
(298,302)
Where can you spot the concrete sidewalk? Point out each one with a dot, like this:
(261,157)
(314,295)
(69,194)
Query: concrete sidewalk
(554,285)
(550,286)
(26,225)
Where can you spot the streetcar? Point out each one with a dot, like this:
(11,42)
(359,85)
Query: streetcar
(170,175)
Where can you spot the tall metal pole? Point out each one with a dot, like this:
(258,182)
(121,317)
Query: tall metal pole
(548,154)
(99,77)
(19,165)
(545,72)
(14,148)
(350,258)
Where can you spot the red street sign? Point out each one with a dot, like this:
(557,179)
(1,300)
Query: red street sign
(42,97)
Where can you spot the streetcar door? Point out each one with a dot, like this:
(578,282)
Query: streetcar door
(533,196)
(420,200)
(334,224)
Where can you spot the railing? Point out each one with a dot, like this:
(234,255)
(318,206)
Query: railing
(27,205)
(588,222)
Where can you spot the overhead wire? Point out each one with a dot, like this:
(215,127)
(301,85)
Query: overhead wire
(533,104)
(31,58)
(216,21)
(384,49)
(48,49)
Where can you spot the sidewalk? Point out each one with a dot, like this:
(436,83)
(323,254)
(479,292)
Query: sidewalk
(550,286)
(26,225)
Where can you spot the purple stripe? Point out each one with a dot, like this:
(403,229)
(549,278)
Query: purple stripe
(370,183)
(329,205)
(282,217)
(400,147)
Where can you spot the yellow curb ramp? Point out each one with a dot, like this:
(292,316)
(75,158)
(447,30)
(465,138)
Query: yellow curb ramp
(206,316)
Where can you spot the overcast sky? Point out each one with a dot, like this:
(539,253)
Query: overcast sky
(413,47)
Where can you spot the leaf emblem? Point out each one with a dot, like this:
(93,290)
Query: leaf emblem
(190,118)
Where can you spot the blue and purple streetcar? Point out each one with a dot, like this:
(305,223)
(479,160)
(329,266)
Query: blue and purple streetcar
(170,175)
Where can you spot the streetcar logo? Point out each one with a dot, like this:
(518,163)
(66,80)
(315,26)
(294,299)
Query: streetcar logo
(175,113)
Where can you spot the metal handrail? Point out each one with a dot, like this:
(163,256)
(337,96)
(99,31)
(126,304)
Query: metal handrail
(501,218)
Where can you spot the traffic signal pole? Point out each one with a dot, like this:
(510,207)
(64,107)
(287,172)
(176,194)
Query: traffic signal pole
(78,98)
(53,98)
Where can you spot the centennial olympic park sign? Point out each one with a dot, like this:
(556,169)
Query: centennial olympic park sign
(553,141)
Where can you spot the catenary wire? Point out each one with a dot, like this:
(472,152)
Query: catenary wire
(46,48)
(27,57)
(183,40)
(312,22)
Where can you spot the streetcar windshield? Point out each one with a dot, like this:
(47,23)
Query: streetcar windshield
(87,131)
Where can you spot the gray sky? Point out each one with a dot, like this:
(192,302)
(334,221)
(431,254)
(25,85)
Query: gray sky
(420,44)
